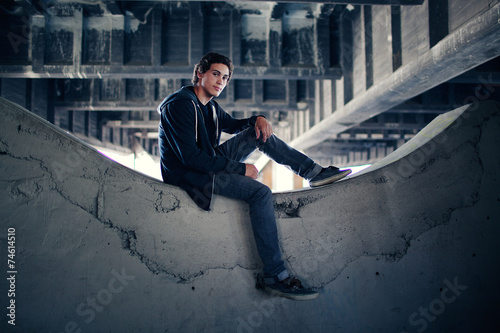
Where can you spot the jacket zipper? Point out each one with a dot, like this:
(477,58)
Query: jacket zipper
(216,121)
(195,121)
(214,114)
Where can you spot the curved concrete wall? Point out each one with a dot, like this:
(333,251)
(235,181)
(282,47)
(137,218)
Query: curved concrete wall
(410,244)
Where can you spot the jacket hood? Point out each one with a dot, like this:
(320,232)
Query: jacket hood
(183,93)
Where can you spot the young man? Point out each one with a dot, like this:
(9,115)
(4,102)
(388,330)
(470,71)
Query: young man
(193,158)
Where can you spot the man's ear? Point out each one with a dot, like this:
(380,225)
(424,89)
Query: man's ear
(199,74)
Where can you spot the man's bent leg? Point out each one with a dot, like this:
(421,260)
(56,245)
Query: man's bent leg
(285,155)
(259,198)
(239,147)
(242,145)
(301,164)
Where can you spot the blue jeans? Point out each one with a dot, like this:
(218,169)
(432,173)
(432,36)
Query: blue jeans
(259,196)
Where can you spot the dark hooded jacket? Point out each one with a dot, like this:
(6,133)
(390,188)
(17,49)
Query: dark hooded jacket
(189,157)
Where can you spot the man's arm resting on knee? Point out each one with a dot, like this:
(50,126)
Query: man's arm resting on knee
(263,128)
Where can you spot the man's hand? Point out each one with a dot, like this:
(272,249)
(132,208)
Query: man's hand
(263,128)
(251,171)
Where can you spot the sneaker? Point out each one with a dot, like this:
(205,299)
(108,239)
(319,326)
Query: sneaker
(328,176)
(290,288)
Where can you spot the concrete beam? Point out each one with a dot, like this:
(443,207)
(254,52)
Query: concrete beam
(68,45)
(354,2)
(177,72)
(467,47)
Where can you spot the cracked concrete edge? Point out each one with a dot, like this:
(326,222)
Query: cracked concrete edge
(335,269)
(104,179)
(473,140)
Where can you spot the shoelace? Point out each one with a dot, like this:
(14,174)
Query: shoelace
(292,282)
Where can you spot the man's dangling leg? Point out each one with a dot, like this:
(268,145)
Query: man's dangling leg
(260,202)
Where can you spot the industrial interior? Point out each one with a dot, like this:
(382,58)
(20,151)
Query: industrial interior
(409,244)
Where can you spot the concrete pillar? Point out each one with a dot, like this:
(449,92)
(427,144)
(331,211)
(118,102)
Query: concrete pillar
(274,44)
(414,34)
(196,35)
(40,95)
(382,45)
(37,42)
(235,38)
(328,99)
(156,39)
(117,39)
(358,52)
(318,103)
(77,24)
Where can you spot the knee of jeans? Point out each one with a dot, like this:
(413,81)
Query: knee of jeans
(264,193)
(263,145)
(251,137)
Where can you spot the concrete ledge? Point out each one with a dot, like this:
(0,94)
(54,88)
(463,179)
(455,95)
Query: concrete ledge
(101,248)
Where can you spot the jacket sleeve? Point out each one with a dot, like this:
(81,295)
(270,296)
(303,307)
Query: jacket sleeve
(179,122)
(232,125)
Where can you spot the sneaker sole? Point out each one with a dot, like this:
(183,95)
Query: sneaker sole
(332,179)
(295,297)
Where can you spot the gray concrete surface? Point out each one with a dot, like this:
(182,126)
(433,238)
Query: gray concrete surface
(408,245)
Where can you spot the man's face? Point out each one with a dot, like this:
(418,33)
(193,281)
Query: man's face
(214,80)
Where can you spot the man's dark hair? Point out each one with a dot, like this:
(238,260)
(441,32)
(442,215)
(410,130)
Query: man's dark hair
(207,61)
